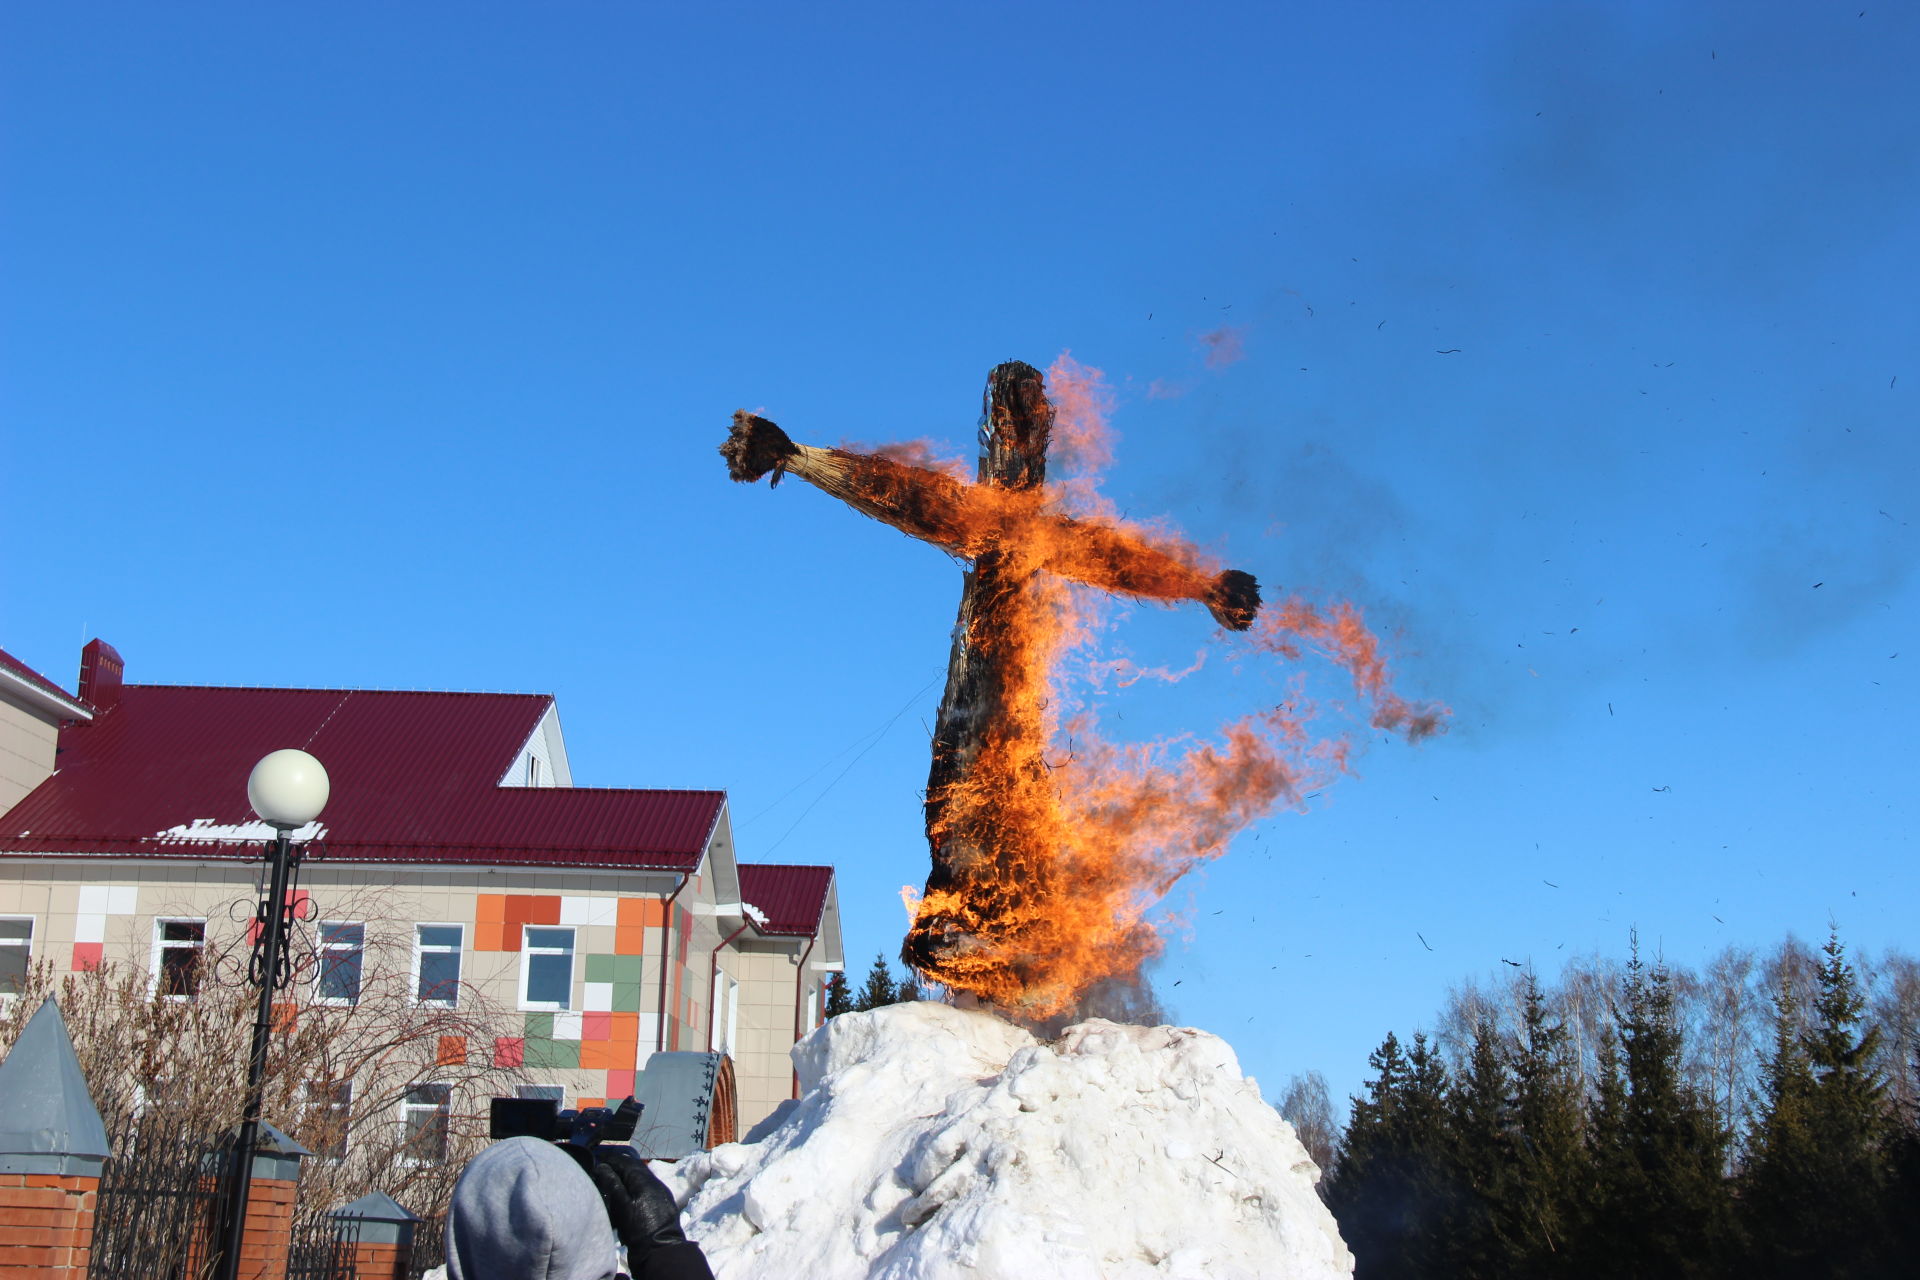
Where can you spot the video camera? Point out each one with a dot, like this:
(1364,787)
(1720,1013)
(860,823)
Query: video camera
(578,1133)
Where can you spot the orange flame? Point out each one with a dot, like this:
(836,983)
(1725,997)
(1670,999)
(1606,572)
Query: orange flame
(1084,836)
(1057,842)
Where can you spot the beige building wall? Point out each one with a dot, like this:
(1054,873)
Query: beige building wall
(27,741)
(771,986)
(88,911)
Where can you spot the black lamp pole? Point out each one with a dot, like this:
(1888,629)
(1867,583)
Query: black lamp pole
(270,970)
(284,780)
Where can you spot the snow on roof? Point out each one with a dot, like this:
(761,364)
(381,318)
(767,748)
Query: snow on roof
(414,779)
(785,899)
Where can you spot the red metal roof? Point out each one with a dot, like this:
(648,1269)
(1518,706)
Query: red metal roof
(414,779)
(792,898)
(32,677)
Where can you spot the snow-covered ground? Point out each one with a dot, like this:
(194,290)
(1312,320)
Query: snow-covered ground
(933,1142)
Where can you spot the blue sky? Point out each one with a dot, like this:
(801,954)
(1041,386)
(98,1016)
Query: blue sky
(389,346)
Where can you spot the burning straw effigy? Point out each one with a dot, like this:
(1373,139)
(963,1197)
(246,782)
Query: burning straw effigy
(1042,876)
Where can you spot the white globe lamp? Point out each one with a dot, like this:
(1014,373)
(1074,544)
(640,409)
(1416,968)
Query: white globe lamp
(288,789)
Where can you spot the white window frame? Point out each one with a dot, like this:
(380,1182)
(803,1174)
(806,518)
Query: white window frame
(6,997)
(317,1095)
(408,1108)
(320,949)
(420,948)
(528,952)
(161,947)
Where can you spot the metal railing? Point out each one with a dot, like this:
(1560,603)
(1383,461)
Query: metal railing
(154,1216)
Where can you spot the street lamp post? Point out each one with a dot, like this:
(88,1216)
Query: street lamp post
(287,789)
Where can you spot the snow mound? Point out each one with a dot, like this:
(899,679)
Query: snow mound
(933,1142)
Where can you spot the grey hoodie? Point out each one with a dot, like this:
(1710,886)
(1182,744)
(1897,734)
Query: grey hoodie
(523,1210)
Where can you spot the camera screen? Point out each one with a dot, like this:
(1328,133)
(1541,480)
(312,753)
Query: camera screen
(522,1117)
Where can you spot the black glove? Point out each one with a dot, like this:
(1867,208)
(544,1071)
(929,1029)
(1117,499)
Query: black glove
(639,1205)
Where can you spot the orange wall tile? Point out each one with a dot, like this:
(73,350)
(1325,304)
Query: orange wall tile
(646,912)
(490,907)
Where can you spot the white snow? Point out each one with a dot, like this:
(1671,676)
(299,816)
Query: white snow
(933,1142)
(755,914)
(207,831)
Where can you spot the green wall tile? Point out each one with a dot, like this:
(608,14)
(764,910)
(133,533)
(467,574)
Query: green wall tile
(553,1053)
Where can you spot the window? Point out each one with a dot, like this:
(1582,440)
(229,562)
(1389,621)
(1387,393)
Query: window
(328,1107)
(436,964)
(181,945)
(546,968)
(342,947)
(16,948)
(425,1112)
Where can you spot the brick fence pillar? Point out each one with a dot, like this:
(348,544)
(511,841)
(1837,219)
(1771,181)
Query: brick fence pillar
(376,1236)
(46,1225)
(267,1237)
(52,1149)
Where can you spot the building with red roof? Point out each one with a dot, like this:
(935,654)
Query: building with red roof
(611,924)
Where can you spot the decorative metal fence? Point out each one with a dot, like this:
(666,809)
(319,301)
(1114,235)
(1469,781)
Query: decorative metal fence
(158,1200)
(429,1247)
(322,1248)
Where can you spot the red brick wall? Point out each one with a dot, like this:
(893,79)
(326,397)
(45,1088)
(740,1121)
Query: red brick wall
(46,1225)
(378,1261)
(269,1230)
(266,1238)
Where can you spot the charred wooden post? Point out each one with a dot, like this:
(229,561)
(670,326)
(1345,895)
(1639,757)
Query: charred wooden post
(1017,425)
(993,819)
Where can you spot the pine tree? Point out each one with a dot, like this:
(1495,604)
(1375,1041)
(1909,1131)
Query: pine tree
(1363,1189)
(1389,1190)
(1821,1156)
(909,989)
(839,998)
(1900,1224)
(1551,1173)
(1661,1204)
(879,989)
(1480,1162)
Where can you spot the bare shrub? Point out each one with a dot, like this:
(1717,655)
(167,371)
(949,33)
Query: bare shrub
(338,1074)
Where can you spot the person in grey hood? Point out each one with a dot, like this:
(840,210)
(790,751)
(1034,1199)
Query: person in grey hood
(524,1210)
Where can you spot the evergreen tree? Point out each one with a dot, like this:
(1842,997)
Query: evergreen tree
(1389,1190)
(1820,1159)
(1480,1166)
(909,989)
(1901,1225)
(839,998)
(1661,1205)
(879,988)
(1551,1174)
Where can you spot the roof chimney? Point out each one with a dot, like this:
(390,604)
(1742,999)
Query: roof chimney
(100,668)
